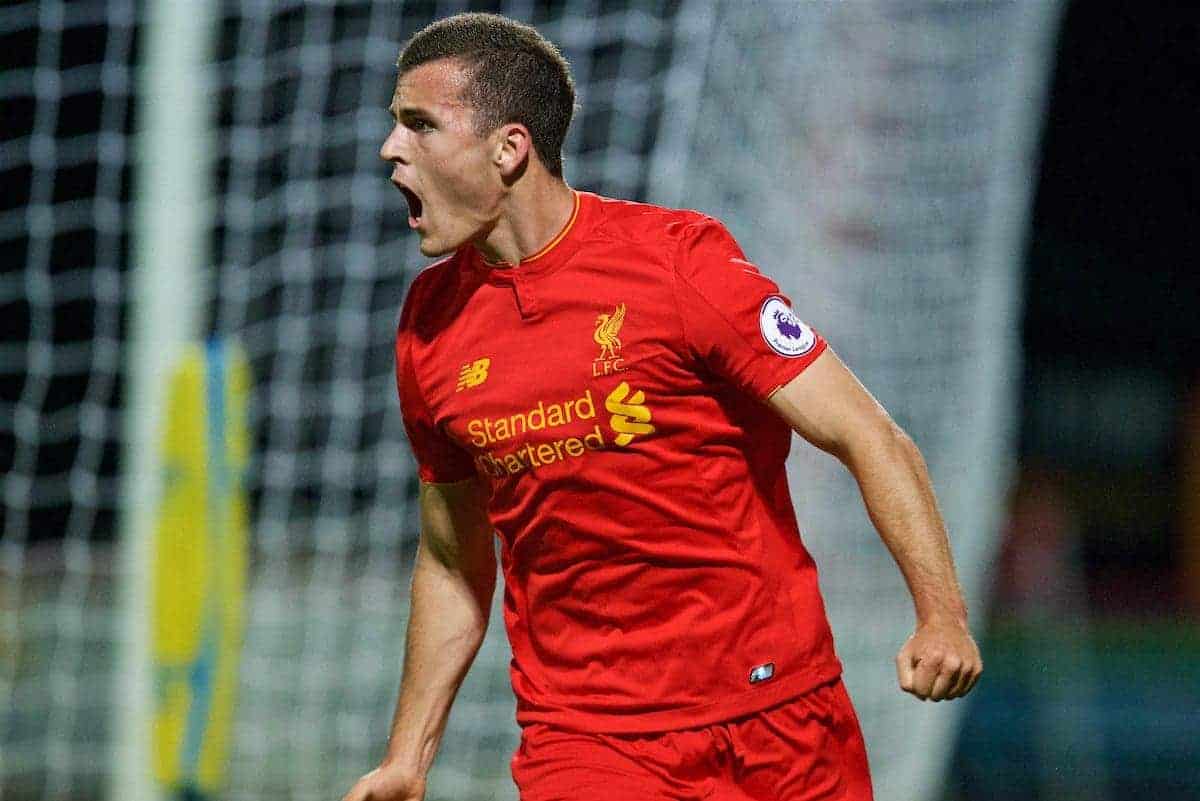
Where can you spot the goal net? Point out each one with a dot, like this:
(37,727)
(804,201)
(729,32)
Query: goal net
(875,157)
(878,156)
(66,91)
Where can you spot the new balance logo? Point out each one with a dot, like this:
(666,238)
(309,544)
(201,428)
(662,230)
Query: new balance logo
(473,374)
(762,672)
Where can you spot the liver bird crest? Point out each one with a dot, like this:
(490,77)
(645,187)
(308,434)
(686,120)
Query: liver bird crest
(607,328)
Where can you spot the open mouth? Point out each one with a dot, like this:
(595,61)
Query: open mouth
(415,206)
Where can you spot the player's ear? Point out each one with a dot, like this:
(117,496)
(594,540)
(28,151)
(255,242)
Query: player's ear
(512,146)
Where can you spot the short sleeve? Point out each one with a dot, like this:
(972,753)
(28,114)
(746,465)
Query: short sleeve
(735,319)
(439,459)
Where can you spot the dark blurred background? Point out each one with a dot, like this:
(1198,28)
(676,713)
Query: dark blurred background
(1112,291)
(1093,655)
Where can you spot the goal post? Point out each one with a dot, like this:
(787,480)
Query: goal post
(172,256)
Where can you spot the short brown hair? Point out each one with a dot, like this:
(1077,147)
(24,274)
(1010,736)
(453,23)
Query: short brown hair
(516,75)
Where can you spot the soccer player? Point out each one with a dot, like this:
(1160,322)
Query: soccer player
(610,388)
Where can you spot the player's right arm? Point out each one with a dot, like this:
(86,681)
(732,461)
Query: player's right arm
(452,585)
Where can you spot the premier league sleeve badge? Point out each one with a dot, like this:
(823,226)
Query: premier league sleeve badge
(786,333)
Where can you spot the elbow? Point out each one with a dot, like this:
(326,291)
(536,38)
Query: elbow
(475,632)
(880,441)
(899,440)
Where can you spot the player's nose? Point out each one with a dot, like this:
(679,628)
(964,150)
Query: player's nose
(393,148)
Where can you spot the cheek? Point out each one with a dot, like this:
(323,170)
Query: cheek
(470,186)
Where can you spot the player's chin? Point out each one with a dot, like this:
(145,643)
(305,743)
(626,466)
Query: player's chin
(434,246)
(436,242)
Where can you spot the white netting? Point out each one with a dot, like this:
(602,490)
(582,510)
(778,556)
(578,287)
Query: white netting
(66,95)
(873,156)
(878,156)
(314,254)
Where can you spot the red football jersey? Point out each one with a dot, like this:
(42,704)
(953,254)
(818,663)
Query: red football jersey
(610,391)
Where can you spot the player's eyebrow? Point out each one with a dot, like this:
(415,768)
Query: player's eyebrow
(399,112)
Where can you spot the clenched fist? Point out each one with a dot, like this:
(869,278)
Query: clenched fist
(940,661)
(388,784)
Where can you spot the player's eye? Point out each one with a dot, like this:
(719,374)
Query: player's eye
(418,124)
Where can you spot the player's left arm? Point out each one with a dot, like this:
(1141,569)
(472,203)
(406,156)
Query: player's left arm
(828,406)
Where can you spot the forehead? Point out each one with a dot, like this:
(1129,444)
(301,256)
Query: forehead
(432,86)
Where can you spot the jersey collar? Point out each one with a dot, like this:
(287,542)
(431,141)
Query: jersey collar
(553,255)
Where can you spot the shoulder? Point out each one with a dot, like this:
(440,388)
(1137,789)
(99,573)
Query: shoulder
(670,228)
(429,294)
(432,290)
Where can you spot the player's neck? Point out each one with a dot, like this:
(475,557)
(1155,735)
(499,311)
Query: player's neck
(534,212)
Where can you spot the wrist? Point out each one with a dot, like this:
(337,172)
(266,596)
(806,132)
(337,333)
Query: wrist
(941,614)
(402,763)
(404,757)
(410,755)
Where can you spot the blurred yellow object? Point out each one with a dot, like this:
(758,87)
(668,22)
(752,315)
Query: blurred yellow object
(200,569)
